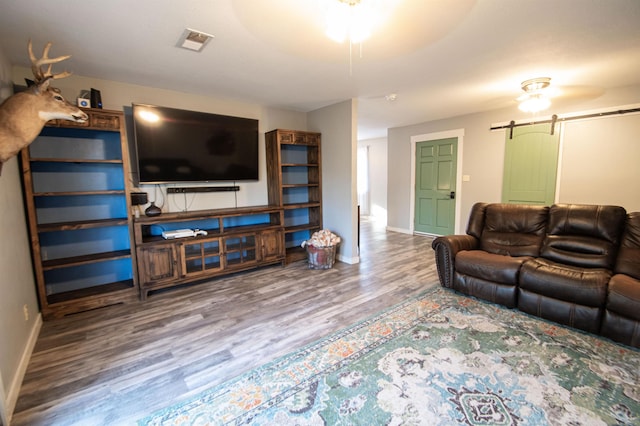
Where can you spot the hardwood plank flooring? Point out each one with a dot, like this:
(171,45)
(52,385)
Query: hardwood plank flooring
(115,365)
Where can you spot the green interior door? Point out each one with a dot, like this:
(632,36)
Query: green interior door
(531,165)
(435,203)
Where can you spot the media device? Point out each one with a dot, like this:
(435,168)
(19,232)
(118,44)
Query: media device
(182,233)
(175,145)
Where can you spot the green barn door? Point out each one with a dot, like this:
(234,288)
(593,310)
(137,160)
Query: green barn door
(530,165)
(435,203)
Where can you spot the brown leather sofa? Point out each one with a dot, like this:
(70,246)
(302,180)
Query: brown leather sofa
(578,265)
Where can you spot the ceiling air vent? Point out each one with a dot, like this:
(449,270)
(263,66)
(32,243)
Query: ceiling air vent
(194,40)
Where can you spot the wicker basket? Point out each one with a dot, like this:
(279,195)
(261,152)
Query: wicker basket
(321,257)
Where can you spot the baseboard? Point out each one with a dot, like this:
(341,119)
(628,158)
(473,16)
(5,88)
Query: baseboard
(349,260)
(14,388)
(401,230)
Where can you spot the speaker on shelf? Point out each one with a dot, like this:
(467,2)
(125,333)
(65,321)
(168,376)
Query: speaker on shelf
(139,198)
(96,98)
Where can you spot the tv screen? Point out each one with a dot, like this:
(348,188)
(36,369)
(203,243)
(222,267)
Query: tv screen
(175,145)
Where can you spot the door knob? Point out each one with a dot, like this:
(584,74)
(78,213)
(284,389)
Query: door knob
(452,195)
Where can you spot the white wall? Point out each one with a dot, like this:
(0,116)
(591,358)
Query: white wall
(601,162)
(17,287)
(337,123)
(377,178)
(605,149)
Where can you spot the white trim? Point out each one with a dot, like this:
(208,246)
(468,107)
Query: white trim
(457,133)
(400,230)
(350,260)
(14,388)
(559,166)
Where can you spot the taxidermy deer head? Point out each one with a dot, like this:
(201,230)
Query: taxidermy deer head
(23,115)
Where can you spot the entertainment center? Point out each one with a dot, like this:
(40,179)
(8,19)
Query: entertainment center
(236,239)
(90,251)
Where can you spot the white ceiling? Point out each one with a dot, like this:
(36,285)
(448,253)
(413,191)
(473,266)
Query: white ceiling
(442,57)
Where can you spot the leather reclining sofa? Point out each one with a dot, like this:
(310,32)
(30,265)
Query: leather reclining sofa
(577,265)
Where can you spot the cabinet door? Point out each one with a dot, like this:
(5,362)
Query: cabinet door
(271,245)
(203,256)
(240,250)
(157,263)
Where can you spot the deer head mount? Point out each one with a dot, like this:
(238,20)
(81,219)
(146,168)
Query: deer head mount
(23,115)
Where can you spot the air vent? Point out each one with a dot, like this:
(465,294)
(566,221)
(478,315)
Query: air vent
(194,40)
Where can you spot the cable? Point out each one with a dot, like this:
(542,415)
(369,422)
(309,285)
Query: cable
(235,194)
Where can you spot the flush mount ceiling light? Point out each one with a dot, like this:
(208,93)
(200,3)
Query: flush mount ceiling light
(194,40)
(350,20)
(535,98)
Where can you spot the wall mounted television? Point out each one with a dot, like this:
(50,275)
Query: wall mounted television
(175,145)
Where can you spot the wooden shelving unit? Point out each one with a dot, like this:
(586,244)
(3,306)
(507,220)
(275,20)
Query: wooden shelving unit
(237,239)
(75,179)
(294,174)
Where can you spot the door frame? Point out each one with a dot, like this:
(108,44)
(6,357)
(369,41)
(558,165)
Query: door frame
(427,137)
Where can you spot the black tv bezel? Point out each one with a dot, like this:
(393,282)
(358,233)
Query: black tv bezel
(164,179)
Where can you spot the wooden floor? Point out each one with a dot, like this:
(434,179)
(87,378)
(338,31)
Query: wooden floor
(115,365)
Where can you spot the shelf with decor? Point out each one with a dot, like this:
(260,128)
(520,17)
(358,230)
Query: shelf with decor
(75,179)
(236,239)
(295,183)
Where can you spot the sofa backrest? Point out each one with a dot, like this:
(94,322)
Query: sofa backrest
(476,220)
(586,236)
(628,261)
(513,229)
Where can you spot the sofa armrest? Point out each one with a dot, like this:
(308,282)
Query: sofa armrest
(446,248)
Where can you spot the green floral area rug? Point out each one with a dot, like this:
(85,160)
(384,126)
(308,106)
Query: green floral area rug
(438,359)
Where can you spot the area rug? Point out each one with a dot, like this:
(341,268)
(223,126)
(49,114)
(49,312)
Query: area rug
(437,359)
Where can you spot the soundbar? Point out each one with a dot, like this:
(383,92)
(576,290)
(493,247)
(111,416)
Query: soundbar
(184,190)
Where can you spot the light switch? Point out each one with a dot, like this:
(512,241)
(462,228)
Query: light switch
(466,178)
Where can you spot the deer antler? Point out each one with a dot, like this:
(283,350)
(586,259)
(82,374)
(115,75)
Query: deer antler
(36,64)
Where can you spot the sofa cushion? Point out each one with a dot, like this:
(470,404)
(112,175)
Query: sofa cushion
(624,296)
(628,261)
(504,294)
(583,286)
(584,235)
(489,266)
(514,230)
(574,315)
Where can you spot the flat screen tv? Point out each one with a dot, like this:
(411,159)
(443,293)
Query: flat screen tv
(175,145)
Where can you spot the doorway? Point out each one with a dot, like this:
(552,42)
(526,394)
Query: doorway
(435,208)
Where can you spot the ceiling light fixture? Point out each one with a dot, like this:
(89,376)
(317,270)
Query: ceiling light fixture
(350,20)
(194,40)
(535,98)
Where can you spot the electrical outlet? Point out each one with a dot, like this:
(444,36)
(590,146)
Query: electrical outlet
(25,310)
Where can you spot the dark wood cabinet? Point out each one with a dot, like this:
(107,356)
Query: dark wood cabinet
(294,174)
(157,263)
(76,187)
(237,239)
(271,244)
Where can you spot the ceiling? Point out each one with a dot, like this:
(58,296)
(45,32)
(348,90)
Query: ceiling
(442,58)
